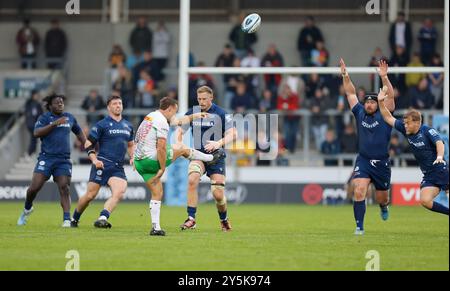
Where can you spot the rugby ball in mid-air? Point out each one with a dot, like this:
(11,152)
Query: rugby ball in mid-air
(251,23)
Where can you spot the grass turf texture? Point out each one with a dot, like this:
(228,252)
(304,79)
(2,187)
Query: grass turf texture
(264,237)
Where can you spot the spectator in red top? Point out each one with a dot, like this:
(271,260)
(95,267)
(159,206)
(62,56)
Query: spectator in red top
(27,39)
(288,102)
(272,59)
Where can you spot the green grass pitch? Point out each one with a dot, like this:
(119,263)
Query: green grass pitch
(264,237)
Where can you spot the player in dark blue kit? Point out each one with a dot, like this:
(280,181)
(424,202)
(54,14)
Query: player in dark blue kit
(428,149)
(114,136)
(209,134)
(53,128)
(372,164)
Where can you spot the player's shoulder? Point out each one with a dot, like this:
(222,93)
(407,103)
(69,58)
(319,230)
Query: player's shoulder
(358,108)
(428,129)
(102,123)
(218,110)
(127,123)
(69,115)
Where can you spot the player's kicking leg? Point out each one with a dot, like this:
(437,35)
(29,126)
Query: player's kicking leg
(118,187)
(359,203)
(427,195)
(37,182)
(83,202)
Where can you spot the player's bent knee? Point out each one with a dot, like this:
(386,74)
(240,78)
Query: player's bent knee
(194,168)
(90,197)
(426,202)
(193,180)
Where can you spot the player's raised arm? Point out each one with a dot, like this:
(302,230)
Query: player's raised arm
(387,115)
(383,73)
(349,88)
(175,121)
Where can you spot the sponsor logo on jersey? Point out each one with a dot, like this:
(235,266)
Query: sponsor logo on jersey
(119,131)
(371,125)
(417,144)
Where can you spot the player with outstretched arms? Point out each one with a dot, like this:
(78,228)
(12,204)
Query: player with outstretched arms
(428,149)
(372,164)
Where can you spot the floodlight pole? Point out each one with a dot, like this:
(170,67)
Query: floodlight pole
(183,58)
(114,11)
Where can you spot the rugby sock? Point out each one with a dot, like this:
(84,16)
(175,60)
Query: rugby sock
(76,215)
(437,207)
(222,215)
(28,205)
(191,211)
(66,215)
(198,155)
(155,208)
(104,214)
(359,210)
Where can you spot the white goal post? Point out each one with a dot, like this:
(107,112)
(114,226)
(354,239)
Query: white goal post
(185,70)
